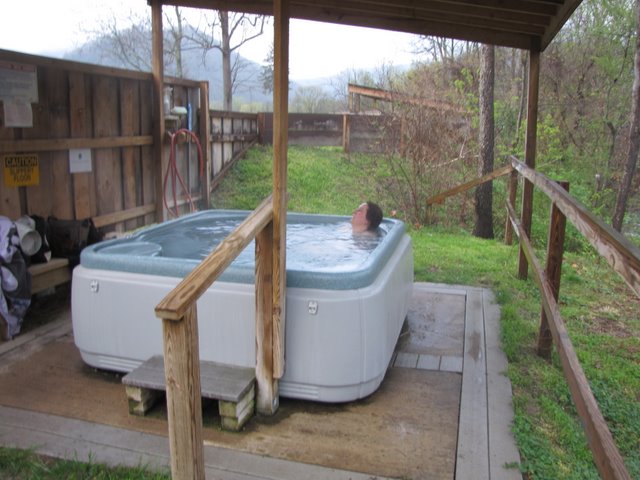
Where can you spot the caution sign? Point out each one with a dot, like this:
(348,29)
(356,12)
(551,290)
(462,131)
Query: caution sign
(21,170)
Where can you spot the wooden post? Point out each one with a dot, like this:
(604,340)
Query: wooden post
(205,143)
(264,319)
(513,190)
(280,139)
(530,152)
(346,132)
(553,271)
(158,106)
(184,403)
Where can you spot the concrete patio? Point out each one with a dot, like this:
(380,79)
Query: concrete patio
(443,411)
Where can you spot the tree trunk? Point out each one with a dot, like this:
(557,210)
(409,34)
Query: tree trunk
(178,36)
(634,138)
(484,193)
(227,81)
(523,98)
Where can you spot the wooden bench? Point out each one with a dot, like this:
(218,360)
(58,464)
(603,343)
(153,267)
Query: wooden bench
(46,275)
(233,387)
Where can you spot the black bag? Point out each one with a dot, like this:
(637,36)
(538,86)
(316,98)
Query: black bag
(67,238)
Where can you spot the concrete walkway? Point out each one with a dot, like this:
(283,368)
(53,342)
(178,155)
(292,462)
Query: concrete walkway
(449,328)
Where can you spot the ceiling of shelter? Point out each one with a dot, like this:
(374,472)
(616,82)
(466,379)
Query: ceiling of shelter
(526,24)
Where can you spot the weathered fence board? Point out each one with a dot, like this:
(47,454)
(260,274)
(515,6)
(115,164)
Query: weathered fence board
(108,111)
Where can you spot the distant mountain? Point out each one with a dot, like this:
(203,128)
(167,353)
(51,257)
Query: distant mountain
(248,88)
(197,65)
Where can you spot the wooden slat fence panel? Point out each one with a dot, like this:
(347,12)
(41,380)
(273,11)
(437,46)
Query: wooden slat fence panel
(107,165)
(57,88)
(38,197)
(130,125)
(108,111)
(81,125)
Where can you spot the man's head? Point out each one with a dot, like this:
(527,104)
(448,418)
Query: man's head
(366,217)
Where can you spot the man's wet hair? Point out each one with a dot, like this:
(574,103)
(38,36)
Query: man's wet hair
(374,215)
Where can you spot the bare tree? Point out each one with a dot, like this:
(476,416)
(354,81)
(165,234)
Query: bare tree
(634,138)
(127,43)
(176,31)
(311,99)
(445,52)
(424,144)
(484,193)
(130,46)
(266,73)
(236,29)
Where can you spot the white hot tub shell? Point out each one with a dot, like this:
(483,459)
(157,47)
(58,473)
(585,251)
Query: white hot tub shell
(338,343)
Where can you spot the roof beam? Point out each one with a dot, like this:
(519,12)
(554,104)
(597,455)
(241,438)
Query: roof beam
(526,24)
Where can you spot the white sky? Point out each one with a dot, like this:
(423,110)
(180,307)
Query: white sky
(316,49)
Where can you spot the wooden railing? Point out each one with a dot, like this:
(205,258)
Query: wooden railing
(621,255)
(180,336)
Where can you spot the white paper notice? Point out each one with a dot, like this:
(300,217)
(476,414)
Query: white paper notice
(17,112)
(18,80)
(80,160)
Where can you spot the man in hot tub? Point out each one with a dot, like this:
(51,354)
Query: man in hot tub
(366,218)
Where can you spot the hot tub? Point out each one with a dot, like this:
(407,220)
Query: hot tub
(344,311)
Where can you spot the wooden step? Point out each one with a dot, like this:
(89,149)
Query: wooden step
(232,386)
(50,274)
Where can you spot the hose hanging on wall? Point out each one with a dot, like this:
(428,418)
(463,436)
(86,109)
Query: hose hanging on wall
(172,170)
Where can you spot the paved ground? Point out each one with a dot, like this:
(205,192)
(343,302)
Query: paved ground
(443,410)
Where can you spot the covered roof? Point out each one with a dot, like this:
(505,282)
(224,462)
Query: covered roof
(526,24)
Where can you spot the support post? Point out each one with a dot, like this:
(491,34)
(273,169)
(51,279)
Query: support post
(184,403)
(513,190)
(346,132)
(530,152)
(158,108)
(553,271)
(264,320)
(268,401)
(205,143)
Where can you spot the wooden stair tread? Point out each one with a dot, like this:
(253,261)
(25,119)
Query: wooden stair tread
(218,381)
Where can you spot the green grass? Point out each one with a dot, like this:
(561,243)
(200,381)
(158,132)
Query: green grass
(319,181)
(600,312)
(26,465)
(601,315)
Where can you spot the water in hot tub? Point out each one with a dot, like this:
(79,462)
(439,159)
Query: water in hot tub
(323,247)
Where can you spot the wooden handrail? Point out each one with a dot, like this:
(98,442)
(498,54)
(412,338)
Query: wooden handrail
(439,198)
(605,452)
(176,303)
(380,94)
(622,255)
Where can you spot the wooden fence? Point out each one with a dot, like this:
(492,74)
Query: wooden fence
(353,132)
(622,256)
(89,145)
(232,134)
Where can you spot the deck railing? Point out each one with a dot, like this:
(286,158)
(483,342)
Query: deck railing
(621,255)
(180,336)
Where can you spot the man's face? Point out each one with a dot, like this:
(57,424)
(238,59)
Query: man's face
(359,220)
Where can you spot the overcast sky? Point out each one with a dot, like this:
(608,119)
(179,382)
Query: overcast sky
(316,49)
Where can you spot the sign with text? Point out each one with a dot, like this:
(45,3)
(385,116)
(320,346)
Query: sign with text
(21,170)
(18,80)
